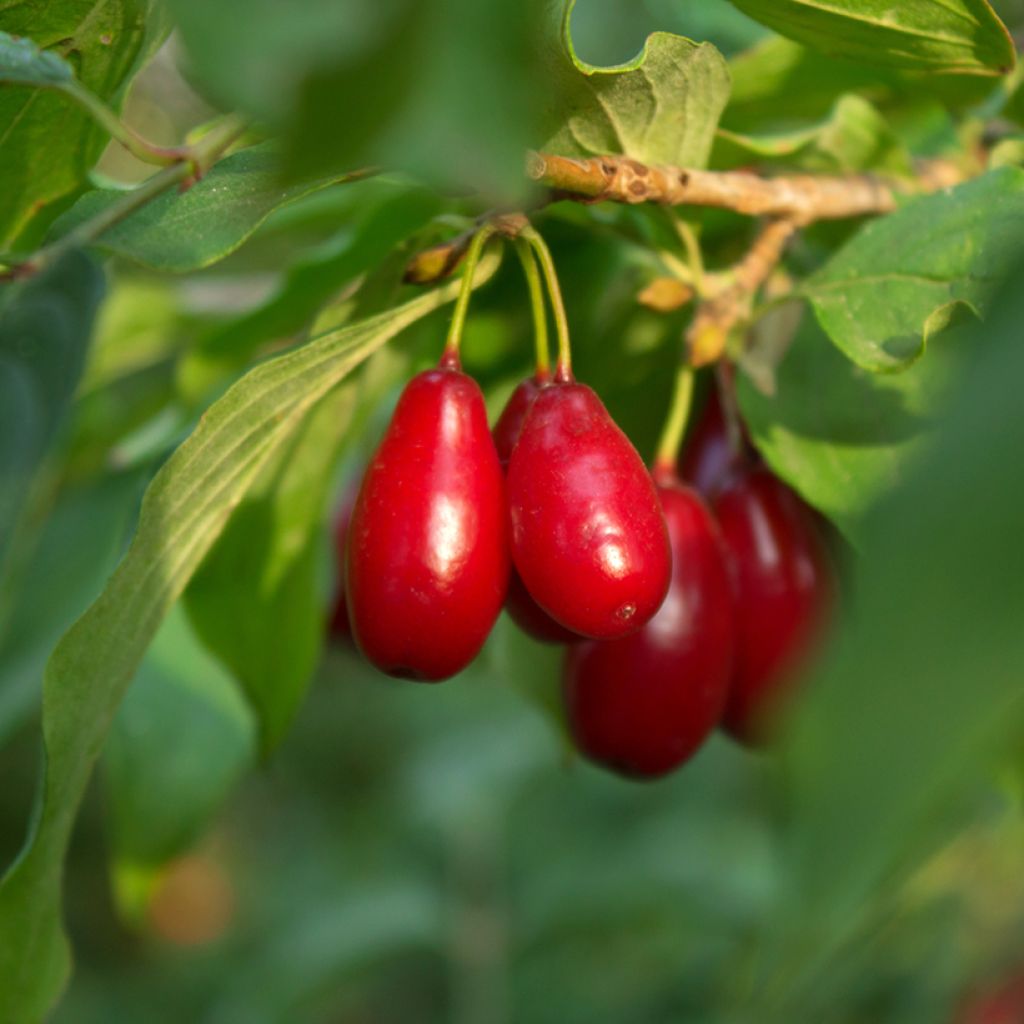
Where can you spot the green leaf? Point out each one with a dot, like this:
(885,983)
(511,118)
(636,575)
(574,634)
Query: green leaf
(181,231)
(45,326)
(23,63)
(839,434)
(48,142)
(255,601)
(79,544)
(923,695)
(184,511)
(902,277)
(662,107)
(937,36)
(180,742)
(854,137)
(373,230)
(780,86)
(442,88)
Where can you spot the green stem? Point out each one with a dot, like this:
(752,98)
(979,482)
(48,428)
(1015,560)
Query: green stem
(540,317)
(693,254)
(563,369)
(139,147)
(450,357)
(675,425)
(202,155)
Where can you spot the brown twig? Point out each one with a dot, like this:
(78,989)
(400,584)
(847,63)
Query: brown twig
(718,314)
(801,197)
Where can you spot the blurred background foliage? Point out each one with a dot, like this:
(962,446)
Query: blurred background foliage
(370,851)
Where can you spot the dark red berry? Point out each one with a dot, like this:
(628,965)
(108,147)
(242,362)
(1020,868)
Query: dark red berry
(1000,1004)
(510,422)
(338,625)
(644,704)
(521,607)
(531,618)
(428,558)
(588,537)
(783,582)
(710,459)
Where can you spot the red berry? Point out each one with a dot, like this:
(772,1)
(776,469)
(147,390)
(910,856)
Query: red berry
(531,618)
(588,537)
(510,422)
(1002,1004)
(428,558)
(644,704)
(710,459)
(783,583)
(521,607)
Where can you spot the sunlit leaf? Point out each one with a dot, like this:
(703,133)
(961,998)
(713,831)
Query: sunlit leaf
(926,35)
(902,278)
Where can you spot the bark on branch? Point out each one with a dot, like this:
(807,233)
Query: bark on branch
(801,197)
(718,315)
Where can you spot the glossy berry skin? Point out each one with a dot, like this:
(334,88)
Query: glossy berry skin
(784,585)
(428,557)
(521,607)
(643,705)
(710,460)
(588,536)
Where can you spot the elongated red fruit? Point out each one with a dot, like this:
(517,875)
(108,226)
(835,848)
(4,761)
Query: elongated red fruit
(710,459)
(588,537)
(784,585)
(643,705)
(428,557)
(521,607)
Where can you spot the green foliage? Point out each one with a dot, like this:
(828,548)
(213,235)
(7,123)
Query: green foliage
(184,511)
(256,601)
(903,278)
(926,35)
(45,324)
(179,743)
(409,104)
(930,671)
(181,231)
(49,143)
(79,544)
(840,434)
(377,222)
(23,63)
(662,107)
(854,137)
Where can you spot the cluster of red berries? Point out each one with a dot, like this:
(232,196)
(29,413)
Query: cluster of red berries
(683,607)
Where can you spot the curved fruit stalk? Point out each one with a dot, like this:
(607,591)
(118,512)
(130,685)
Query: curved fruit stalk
(784,585)
(521,607)
(710,459)
(644,704)
(588,536)
(428,558)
